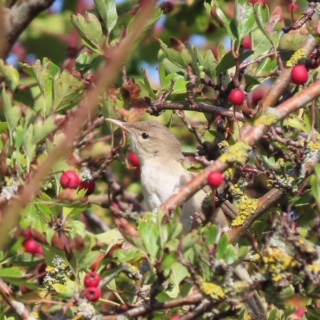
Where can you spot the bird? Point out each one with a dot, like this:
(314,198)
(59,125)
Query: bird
(162,174)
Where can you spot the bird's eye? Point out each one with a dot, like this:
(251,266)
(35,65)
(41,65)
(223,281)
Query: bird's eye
(144,135)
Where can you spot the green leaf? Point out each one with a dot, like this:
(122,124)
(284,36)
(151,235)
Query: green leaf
(222,246)
(168,261)
(245,20)
(3,127)
(146,84)
(65,290)
(228,61)
(107,10)
(110,237)
(230,254)
(12,114)
(228,23)
(13,272)
(178,273)
(19,136)
(315,187)
(211,235)
(273,315)
(207,62)
(10,74)
(149,234)
(33,218)
(43,73)
(43,129)
(129,255)
(90,31)
(180,58)
(28,146)
(67,91)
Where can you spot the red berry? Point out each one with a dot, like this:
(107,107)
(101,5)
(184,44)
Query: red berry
(175,318)
(236,97)
(93,294)
(215,179)
(133,159)
(246,43)
(69,179)
(94,267)
(33,247)
(299,74)
(91,279)
(88,185)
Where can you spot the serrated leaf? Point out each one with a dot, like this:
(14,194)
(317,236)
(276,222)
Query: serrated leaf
(12,113)
(43,129)
(107,10)
(175,56)
(90,31)
(10,74)
(149,234)
(245,19)
(28,145)
(67,92)
(43,73)
(208,63)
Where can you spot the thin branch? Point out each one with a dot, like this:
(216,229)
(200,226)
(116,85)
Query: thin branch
(267,201)
(142,310)
(19,308)
(197,106)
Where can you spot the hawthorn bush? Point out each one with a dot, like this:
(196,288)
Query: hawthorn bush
(62,73)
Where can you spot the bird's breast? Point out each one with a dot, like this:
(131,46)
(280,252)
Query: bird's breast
(159,182)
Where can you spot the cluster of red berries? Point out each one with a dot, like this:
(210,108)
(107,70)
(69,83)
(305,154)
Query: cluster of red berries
(70,179)
(91,282)
(30,245)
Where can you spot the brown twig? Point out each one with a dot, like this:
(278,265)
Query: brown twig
(198,107)
(145,309)
(268,200)
(18,307)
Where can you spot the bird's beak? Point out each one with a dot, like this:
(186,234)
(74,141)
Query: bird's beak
(120,124)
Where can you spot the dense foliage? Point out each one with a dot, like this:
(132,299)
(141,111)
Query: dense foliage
(237,84)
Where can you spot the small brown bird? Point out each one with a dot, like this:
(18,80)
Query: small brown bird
(163,174)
